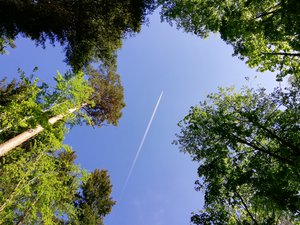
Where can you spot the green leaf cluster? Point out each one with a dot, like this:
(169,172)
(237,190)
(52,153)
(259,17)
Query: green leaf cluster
(94,202)
(89,30)
(19,106)
(247,146)
(39,180)
(263,32)
(96,100)
(42,185)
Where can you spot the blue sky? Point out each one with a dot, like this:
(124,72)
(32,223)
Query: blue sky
(187,68)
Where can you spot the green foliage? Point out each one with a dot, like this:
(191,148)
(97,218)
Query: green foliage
(42,185)
(38,184)
(93,203)
(39,181)
(265,32)
(247,145)
(25,104)
(88,29)
(19,100)
(4,42)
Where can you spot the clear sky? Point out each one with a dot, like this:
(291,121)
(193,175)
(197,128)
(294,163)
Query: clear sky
(161,188)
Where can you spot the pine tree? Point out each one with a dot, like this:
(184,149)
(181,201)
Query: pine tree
(89,30)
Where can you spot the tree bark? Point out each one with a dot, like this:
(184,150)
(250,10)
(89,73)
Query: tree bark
(26,135)
(249,213)
(255,147)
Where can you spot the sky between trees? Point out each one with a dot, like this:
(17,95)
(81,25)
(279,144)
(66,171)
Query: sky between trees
(159,58)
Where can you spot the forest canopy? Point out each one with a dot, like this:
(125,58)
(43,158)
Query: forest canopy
(88,30)
(244,141)
(265,33)
(40,183)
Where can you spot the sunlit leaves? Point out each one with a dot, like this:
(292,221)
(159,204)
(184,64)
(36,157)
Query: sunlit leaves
(244,142)
(39,181)
(265,33)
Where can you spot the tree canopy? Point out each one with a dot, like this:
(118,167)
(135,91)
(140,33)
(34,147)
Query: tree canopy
(247,146)
(39,181)
(265,32)
(93,202)
(29,107)
(41,185)
(88,30)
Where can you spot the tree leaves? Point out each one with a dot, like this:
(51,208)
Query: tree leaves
(94,202)
(244,142)
(264,33)
(40,182)
(88,30)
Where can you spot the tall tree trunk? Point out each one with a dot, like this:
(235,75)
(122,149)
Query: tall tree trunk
(26,135)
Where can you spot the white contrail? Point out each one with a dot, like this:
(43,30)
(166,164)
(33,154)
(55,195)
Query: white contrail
(142,142)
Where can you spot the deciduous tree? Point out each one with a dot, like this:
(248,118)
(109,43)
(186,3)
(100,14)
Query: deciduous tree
(96,101)
(265,33)
(45,186)
(39,181)
(247,146)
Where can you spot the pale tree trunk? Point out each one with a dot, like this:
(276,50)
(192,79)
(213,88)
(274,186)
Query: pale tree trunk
(26,118)
(26,135)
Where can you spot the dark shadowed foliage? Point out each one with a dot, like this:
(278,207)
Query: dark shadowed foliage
(88,29)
